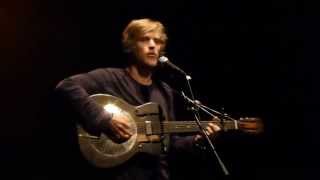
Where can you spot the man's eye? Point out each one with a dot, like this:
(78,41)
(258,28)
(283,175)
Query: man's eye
(144,39)
(158,41)
(147,39)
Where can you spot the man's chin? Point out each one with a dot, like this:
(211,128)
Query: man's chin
(151,66)
(152,61)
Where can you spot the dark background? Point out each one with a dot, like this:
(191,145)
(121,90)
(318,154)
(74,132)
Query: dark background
(252,58)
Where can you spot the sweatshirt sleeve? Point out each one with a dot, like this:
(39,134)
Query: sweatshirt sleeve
(76,91)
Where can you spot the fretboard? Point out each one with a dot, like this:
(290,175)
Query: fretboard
(182,126)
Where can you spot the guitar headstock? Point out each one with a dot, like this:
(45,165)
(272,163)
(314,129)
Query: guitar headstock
(252,125)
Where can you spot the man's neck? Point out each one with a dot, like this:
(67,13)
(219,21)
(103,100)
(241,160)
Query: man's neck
(141,75)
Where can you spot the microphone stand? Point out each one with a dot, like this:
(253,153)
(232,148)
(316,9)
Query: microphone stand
(195,110)
(211,112)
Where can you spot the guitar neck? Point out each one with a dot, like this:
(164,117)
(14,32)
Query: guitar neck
(167,127)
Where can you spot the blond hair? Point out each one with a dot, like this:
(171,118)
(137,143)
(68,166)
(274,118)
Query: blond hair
(138,27)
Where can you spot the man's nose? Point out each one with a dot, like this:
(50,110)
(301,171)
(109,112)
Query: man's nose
(152,43)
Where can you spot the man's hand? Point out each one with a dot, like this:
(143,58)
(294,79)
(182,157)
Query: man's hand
(120,128)
(211,130)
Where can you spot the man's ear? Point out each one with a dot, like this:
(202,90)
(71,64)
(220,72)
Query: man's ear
(132,49)
(127,50)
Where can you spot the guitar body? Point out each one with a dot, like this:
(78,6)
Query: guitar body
(103,152)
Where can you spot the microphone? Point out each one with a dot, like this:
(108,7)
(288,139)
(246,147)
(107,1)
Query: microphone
(165,62)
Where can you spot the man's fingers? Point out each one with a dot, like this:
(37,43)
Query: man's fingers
(121,126)
(118,134)
(124,123)
(124,130)
(209,130)
(214,127)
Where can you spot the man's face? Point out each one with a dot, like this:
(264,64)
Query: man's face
(147,49)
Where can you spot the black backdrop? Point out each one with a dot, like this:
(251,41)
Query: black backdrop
(253,58)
